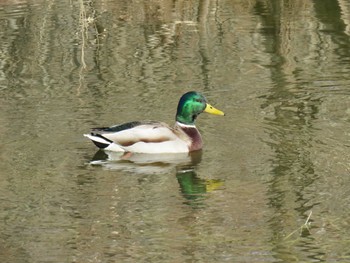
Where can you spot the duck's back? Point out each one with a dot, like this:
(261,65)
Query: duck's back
(145,137)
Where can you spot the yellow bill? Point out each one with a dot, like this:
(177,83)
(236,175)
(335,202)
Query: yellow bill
(212,110)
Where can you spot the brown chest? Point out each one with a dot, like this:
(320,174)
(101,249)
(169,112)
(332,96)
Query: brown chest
(195,137)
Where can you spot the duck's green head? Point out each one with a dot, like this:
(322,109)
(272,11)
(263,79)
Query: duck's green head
(191,105)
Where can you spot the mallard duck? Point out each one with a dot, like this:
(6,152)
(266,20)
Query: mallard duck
(157,137)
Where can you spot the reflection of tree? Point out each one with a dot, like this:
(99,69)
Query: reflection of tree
(332,15)
(291,188)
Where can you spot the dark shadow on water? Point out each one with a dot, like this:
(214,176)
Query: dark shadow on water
(193,188)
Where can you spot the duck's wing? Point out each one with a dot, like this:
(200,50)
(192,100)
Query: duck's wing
(145,137)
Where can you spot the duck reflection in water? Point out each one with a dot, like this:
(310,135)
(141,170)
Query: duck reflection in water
(192,187)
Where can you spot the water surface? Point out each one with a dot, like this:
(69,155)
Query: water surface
(272,183)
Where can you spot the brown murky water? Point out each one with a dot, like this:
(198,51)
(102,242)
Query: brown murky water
(272,183)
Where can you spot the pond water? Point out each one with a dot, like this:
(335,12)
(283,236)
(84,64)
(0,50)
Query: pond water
(272,183)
